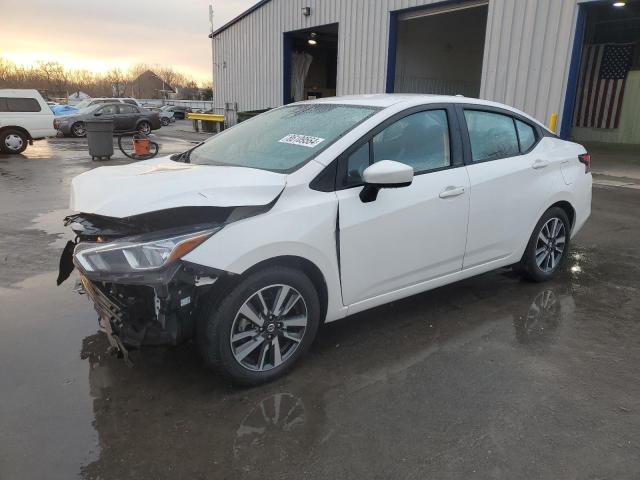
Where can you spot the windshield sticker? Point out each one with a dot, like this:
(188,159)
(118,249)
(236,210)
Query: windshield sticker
(302,140)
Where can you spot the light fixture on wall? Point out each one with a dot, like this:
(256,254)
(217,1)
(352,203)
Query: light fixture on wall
(306,11)
(313,38)
(619,4)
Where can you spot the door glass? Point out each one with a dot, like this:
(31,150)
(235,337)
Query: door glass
(127,109)
(526,134)
(357,162)
(109,109)
(492,135)
(420,140)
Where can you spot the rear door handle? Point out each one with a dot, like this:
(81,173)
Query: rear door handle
(451,192)
(537,164)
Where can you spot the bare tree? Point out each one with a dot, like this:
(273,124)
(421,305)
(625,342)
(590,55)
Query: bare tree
(118,81)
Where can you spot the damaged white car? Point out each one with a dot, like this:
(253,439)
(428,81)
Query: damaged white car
(314,211)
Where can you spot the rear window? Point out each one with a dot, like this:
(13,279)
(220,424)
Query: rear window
(17,104)
(526,135)
(492,135)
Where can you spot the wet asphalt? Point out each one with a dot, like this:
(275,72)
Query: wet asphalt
(492,377)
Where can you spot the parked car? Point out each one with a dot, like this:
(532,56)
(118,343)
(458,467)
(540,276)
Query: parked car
(318,210)
(24,117)
(179,112)
(92,101)
(166,117)
(126,118)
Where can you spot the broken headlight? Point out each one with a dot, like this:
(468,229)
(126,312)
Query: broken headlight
(139,253)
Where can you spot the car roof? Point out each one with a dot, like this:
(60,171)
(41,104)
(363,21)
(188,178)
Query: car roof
(386,100)
(19,92)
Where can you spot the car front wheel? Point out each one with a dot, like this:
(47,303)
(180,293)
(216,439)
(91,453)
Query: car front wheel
(144,127)
(13,141)
(548,246)
(259,330)
(165,121)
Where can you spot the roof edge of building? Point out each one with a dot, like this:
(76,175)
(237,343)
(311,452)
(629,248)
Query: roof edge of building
(235,20)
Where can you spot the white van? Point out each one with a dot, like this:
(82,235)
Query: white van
(24,117)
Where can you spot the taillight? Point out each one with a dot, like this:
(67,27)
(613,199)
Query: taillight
(586,159)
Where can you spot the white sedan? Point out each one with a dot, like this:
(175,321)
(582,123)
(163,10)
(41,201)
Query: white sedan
(317,210)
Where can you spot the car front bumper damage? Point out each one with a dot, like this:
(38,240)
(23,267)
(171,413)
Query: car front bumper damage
(150,308)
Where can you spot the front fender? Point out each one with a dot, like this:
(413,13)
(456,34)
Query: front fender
(301,224)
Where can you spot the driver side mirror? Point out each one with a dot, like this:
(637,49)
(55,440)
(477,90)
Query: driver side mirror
(97,114)
(384,174)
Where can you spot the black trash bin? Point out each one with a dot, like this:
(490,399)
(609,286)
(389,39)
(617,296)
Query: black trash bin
(100,138)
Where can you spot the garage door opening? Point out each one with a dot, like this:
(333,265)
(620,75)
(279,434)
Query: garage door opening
(606,91)
(438,50)
(311,63)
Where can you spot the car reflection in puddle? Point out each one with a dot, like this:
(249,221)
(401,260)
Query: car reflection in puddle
(542,318)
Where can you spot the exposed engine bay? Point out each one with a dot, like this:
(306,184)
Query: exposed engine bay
(152,306)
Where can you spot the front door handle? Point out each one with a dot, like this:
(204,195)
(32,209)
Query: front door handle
(451,192)
(539,163)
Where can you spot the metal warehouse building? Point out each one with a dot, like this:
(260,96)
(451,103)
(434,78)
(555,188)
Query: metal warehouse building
(580,59)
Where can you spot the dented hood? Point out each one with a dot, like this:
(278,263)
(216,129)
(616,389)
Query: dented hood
(159,184)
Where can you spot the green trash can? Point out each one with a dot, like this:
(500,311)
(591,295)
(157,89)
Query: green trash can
(100,138)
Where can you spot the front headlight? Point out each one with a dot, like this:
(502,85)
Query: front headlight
(136,254)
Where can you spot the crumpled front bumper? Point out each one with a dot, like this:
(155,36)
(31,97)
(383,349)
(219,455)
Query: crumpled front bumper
(157,310)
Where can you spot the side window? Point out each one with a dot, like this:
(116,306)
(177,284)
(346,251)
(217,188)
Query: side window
(492,135)
(420,140)
(356,163)
(526,135)
(12,104)
(127,109)
(109,109)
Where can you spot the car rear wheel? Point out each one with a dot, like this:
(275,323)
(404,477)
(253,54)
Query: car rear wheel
(13,141)
(260,329)
(144,127)
(165,121)
(78,130)
(548,246)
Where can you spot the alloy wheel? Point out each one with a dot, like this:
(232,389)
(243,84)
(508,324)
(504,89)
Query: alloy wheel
(268,328)
(550,244)
(79,130)
(144,128)
(13,142)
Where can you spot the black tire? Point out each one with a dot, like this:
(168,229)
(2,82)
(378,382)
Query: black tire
(78,130)
(165,121)
(529,264)
(144,127)
(13,141)
(218,316)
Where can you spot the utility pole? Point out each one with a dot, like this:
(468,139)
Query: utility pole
(211,36)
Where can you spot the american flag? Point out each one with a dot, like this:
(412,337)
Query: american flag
(601,88)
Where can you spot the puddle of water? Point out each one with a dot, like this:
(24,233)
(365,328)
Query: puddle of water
(52,224)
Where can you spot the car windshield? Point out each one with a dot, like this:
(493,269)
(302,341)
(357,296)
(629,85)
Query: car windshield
(90,108)
(283,139)
(83,104)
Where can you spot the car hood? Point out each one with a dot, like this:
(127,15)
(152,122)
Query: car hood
(159,184)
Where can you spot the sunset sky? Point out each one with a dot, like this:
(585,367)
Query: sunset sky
(98,35)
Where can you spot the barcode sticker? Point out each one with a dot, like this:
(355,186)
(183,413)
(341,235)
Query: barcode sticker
(302,140)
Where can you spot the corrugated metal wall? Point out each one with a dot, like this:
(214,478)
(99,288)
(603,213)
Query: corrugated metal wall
(526,58)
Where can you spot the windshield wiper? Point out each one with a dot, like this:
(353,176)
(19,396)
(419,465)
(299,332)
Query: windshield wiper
(184,157)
